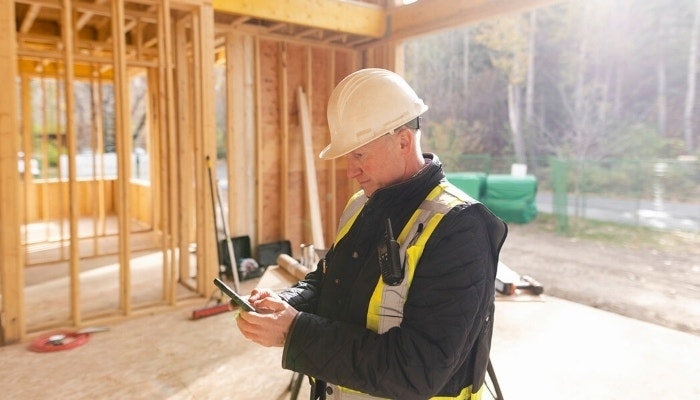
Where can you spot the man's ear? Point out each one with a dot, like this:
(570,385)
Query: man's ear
(406,139)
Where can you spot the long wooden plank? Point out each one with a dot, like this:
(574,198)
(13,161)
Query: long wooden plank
(314,208)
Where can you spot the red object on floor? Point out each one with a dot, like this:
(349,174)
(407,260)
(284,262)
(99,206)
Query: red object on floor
(58,341)
(209,311)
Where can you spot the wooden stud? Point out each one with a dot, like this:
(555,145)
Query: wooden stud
(169,183)
(234,117)
(332,186)
(122,128)
(45,159)
(259,206)
(184,146)
(284,140)
(209,268)
(71,133)
(197,134)
(28,200)
(60,134)
(99,152)
(11,260)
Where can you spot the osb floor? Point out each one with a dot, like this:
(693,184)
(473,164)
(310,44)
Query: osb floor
(543,348)
(165,356)
(551,349)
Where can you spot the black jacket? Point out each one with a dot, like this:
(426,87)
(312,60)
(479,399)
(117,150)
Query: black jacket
(449,304)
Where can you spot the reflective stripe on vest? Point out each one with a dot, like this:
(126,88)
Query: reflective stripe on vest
(385,309)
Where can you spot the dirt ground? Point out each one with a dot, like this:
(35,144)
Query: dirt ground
(653,276)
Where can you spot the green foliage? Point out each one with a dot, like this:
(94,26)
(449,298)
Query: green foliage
(506,41)
(220,143)
(640,141)
(597,93)
(52,154)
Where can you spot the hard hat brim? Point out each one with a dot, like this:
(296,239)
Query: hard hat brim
(330,152)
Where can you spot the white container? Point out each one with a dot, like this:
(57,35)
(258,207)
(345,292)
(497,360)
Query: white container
(518,169)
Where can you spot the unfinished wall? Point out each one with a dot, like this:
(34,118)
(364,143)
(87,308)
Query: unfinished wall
(282,68)
(92,249)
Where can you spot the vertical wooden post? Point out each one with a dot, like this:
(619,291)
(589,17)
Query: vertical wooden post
(98,154)
(184,148)
(197,132)
(207,133)
(169,182)
(153,143)
(45,210)
(12,321)
(122,128)
(284,140)
(71,133)
(257,141)
(332,185)
(28,200)
(61,195)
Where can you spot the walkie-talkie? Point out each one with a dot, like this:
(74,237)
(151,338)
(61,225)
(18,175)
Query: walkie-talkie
(390,258)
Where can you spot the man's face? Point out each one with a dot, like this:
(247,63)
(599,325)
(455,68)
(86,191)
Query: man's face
(377,164)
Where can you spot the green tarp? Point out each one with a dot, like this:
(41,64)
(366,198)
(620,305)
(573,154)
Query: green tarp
(512,198)
(471,183)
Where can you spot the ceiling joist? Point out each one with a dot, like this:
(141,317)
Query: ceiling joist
(339,16)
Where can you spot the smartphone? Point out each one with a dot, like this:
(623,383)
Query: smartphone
(233,295)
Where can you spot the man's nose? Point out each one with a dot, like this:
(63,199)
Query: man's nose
(353,169)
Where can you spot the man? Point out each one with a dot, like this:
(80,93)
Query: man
(416,324)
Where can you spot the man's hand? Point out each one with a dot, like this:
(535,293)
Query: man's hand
(270,325)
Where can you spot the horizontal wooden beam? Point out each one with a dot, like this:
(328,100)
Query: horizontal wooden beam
(341,16)
(82,71)
(428,16)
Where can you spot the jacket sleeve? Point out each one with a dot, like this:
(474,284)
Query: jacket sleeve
(304,294)
(451,292)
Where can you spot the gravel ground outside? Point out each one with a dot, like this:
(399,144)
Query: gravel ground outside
(640,273)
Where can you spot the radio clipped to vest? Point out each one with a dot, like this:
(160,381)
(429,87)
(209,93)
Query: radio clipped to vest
(390,257)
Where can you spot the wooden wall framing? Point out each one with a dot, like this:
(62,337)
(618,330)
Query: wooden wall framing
(176,43)
(265,168)
(176,205)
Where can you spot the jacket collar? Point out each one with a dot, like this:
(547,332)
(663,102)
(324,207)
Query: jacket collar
(418,185)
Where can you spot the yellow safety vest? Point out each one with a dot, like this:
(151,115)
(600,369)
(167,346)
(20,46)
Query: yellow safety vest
(385,309)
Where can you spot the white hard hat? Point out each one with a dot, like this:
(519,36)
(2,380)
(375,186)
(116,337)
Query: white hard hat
(366,105)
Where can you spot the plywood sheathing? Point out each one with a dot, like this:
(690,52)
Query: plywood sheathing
(241,125)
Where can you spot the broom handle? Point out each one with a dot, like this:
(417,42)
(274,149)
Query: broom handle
(229,244)
(216,222)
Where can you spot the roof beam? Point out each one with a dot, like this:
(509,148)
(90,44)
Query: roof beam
(429,16)
(340,16)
